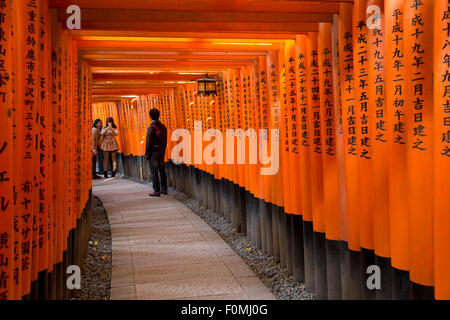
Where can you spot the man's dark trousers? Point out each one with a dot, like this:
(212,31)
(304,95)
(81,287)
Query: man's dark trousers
(157,166)
(100,160)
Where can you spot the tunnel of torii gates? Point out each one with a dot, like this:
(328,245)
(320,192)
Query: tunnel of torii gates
(362,113)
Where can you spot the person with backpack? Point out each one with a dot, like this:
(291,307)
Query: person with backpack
(155,150)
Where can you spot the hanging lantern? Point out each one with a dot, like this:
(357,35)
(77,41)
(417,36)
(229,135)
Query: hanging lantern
(206,86)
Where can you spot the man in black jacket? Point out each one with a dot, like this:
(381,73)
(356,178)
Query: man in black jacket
(155,149)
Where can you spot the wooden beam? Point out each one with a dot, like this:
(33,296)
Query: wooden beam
(138,43)
(140,69)
(166,64)
(286,28)
(146,77)
(167,52)
(330,6)
(76,34)
(147,54)
(141,88)
(161,16)
(192,58)
(126,92)
(111,98)
(179,41)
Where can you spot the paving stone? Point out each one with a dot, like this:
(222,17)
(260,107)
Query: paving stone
(173,253)
(238,296)
(118,246)
(188,288)
(121,256)
(159,222)
(124,293)
(115,220)
(199,224)
(119,231)
(221,248)
(122,275)
(237,266)
(209,234)
(146,274)
(255,288)
(156,235)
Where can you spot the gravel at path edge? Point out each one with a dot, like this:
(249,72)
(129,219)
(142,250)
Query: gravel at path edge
(96,272)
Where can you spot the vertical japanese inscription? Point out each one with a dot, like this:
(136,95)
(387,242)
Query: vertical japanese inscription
(361,92)
(444,84)
(6,153)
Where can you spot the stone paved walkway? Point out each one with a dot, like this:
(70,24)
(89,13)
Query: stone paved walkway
(162,250)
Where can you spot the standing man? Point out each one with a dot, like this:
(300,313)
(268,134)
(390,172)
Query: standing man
(155,150)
